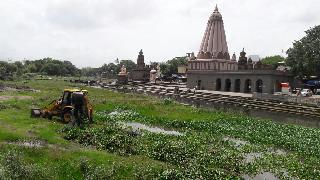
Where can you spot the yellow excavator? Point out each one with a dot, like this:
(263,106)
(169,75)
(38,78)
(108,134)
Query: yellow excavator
(65,106)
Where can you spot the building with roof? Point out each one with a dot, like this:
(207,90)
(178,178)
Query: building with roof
(214,69)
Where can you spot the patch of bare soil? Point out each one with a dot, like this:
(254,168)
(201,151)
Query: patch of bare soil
(28,144)
(4,98)
(39,144)
(16,88)
(7,126)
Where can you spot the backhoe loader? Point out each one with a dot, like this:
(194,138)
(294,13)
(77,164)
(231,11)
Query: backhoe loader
(64,107)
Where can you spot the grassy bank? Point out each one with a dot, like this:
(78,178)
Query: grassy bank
(212,144)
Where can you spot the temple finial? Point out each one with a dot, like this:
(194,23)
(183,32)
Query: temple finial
(216,9)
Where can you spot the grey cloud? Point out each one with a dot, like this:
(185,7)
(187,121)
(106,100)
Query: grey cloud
(72,14)
(84,14)
(127,10)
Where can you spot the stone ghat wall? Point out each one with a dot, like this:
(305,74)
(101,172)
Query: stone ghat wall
(248,107)
(290,99)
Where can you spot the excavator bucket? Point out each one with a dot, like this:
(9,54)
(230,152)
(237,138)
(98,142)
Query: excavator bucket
(36,113)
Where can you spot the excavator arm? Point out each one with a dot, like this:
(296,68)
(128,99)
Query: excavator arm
(50,110)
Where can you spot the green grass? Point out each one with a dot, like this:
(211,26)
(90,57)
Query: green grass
(61,157)
(105,150)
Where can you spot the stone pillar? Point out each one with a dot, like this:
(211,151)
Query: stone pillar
(223,84)
(233,82)
(268,86)
(243,81)
(233,85)
(254,85)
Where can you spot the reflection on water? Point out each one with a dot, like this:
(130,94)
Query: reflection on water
(237,142)
(138,126)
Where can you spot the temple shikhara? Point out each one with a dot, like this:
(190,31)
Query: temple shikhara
(142,72)
(214,48)
(214,69)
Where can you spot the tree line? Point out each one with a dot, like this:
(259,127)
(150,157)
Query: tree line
(53,67)
(45,66)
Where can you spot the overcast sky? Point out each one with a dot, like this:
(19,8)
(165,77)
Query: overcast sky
(94,32)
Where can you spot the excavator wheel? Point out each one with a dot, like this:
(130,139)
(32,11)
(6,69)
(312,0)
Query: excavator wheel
(67,116)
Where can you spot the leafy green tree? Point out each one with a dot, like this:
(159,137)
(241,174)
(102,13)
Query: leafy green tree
(273,60)
(111,69)
(51,69)
(3,73)
(129,64)
(30,68)
(20,68)
(7,70)
(89,72)
(69,68)
(304,56)
(171,66)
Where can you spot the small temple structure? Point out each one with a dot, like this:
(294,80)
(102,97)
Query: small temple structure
(142,72)
(123,76)
(213,69)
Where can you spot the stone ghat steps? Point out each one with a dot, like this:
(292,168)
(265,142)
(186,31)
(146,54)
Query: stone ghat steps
(239,101)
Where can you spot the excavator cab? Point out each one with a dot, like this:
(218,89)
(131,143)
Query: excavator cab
(66,98)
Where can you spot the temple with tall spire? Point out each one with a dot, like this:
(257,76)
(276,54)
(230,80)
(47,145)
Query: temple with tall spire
(213,69)
(213,53)
(214,43)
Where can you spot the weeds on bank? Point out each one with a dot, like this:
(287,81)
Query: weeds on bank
(109,137)
(202,152)
(13,166)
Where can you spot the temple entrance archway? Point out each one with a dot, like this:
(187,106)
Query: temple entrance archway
(218,85)
(259,86)
(247,86)
(237,85)
(227,85)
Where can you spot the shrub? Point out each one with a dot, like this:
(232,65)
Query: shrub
(14,167)
(167,101)
(92,172)
(110,137)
